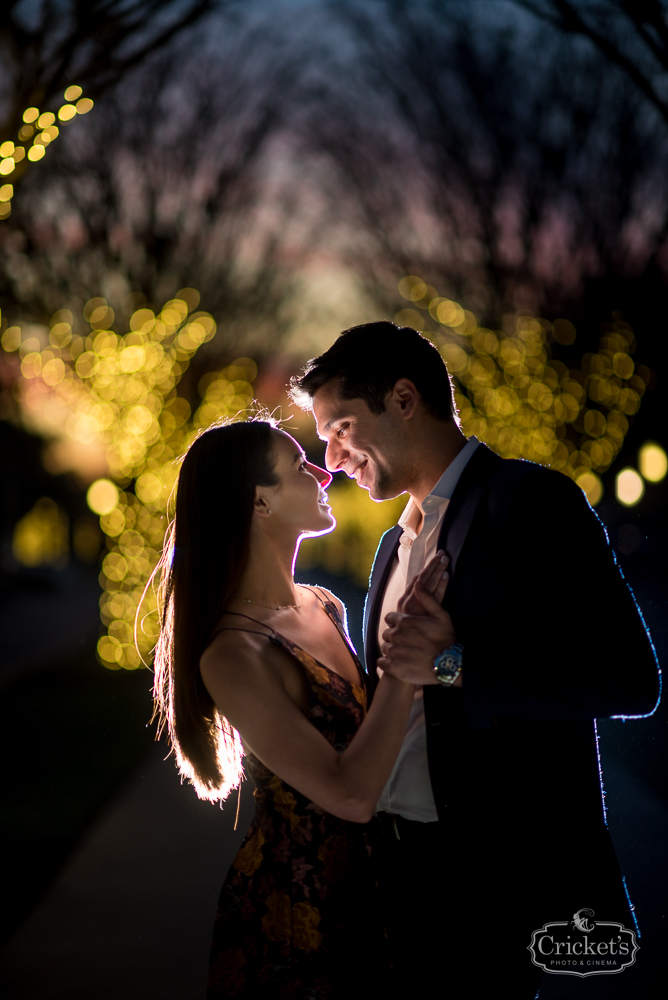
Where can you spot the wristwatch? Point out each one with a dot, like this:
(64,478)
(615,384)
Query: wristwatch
(448,664)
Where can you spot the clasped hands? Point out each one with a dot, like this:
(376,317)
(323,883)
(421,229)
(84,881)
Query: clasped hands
(420,628)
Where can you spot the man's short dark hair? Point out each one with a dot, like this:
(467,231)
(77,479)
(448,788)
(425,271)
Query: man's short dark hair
(368,360)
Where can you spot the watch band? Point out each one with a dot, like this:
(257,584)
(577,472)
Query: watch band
(448,664)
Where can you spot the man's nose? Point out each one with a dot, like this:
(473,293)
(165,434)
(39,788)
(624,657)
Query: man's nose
(321,475)
(334,456)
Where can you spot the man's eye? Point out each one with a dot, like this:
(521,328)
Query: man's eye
(342,431)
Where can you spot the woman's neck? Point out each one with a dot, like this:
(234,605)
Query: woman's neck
(268,579)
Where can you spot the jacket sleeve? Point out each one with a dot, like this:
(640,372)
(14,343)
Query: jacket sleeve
(563,638)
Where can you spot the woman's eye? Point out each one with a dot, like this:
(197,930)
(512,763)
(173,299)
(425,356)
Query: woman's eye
(303,465)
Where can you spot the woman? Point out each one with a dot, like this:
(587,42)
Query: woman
(248,661)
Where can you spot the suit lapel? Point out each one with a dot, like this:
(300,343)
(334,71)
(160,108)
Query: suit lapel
(483,465)
(469,491)
(380,571)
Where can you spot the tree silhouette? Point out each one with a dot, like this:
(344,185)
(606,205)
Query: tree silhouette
(630,34)
(506,166)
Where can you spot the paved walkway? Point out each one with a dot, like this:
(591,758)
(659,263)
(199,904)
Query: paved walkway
(131,916)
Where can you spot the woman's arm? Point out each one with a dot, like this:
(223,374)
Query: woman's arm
(242,673)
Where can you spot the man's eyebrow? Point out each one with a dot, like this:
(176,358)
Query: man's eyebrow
(333,420)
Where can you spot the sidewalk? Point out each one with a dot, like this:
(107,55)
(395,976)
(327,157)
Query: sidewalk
(131,915)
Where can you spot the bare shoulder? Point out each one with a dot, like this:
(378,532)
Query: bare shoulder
(236,654)
(323,592)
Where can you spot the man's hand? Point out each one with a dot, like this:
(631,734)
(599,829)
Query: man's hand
(412,642)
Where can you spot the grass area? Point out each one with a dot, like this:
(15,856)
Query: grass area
(69,737)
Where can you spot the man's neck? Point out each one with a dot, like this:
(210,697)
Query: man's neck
(433,457)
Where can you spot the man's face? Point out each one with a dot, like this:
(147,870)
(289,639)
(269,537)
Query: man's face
(365,445)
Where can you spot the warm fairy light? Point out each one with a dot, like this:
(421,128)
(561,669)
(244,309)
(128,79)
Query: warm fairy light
(522,402)
(629,487)
(40,537)
(11,154)
(102,496)
(590,484)
(653,462)
(117,395)
(11,339)
(511,394)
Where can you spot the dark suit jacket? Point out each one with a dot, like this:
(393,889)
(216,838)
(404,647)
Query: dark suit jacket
(552,639)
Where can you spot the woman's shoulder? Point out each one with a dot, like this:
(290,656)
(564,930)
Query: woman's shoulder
(235,644)
(326,595)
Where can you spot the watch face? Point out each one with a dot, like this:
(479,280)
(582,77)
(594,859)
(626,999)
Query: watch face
(448,665)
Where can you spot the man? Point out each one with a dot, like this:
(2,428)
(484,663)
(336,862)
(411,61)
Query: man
(492,821)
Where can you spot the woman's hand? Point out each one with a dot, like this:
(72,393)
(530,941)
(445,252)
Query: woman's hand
(419,629)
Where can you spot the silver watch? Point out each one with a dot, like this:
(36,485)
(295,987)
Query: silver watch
(448,664)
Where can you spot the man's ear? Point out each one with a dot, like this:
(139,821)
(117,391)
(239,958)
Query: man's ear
(405,397)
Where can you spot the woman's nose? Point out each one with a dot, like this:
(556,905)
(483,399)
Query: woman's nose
(321,475)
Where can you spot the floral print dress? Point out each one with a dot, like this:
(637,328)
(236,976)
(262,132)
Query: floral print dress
(297,915)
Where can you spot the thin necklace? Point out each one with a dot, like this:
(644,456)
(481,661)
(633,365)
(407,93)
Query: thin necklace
(273,607)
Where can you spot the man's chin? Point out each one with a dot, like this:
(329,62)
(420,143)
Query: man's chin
(382,491)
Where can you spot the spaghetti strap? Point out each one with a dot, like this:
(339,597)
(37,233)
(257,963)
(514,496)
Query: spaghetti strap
(279,639)
(237,628)
(314,588)
(250,631)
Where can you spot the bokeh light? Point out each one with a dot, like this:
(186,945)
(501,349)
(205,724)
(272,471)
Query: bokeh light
(522,402)
(42,130)
(590,483)
(629,487)
(116,395)
(653,462)
(41,536)
(102,496)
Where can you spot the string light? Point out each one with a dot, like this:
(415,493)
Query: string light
(118,394)
(653,462)
(515,397)
(34,136)
(523,403)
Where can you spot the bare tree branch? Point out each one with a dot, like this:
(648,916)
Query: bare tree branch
(639,15)
(506,184)
(171,184)
(92,44)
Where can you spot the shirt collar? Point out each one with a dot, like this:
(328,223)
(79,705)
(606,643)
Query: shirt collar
(445,487)
(442,491)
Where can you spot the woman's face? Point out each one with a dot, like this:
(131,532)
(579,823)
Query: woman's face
(299,501)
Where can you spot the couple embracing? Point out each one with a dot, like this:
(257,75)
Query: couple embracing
(417,820)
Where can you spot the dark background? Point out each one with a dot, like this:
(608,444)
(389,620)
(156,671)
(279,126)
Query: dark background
(293,161)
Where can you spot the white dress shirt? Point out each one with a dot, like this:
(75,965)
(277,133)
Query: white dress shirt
(408,792)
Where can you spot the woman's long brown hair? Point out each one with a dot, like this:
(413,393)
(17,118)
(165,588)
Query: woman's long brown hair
(205,554)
